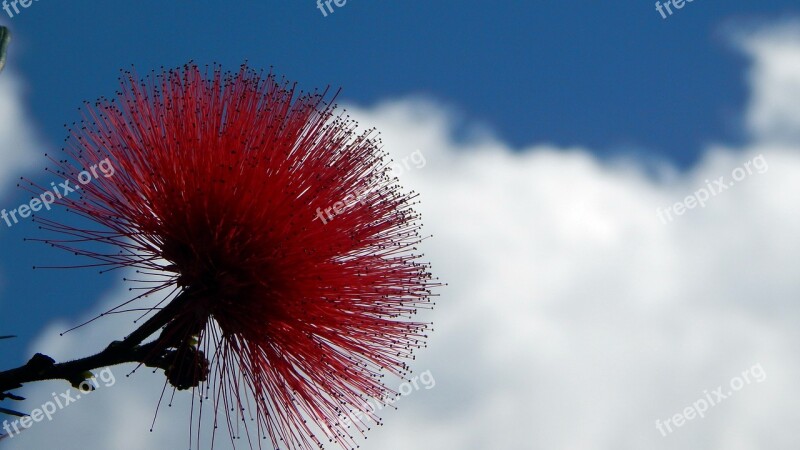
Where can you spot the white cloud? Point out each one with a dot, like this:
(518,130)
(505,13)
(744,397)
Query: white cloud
(574,318)
(774,110)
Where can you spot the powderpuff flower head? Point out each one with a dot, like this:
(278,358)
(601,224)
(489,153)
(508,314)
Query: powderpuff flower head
(282,250)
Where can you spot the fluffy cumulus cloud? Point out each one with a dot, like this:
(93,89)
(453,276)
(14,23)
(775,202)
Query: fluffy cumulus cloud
(774,112)
(576,315)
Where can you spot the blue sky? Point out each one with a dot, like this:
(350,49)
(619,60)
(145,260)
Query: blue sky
(613,78)
(610,77)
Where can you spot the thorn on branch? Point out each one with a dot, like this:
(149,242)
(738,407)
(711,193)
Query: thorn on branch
(41,363)
(5,395)
(11,412)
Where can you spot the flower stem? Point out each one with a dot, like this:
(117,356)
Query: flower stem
(42,367)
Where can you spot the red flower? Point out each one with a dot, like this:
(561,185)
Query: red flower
(292,247)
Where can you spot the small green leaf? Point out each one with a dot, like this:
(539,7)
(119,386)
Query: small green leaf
(5,38)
